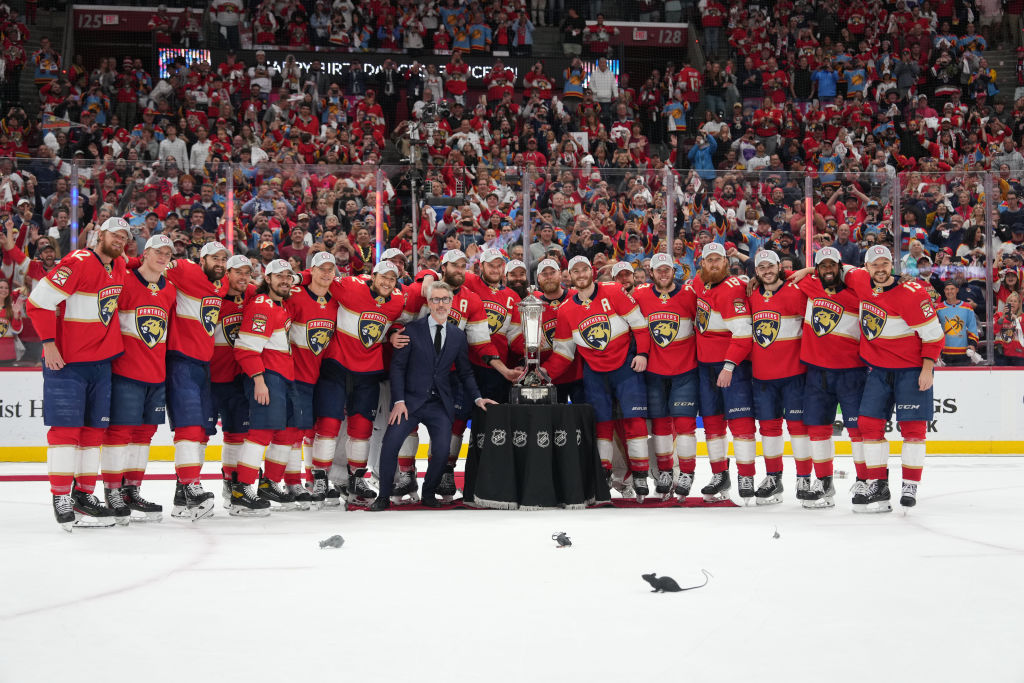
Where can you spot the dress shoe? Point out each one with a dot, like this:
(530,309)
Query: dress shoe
(429,501)
(380,504)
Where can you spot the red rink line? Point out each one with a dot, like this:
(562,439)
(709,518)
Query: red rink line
(459,477)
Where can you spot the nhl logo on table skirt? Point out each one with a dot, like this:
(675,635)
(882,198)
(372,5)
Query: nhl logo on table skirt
(371,327)
(209,311)
(872,320)
(107,300)
(664,327)
(519,439)
(543,439)
(766,328)
(596,331)
(479,440)
(825,315)
(498,437)
(150,323)
(318,335)
(579,436)
(560,437)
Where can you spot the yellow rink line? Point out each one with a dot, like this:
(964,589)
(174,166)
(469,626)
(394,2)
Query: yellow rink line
(166,453)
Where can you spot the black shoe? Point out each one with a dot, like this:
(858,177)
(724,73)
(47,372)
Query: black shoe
(381,504)
(192,502)
(359,492)
(117,503)
(318,494)
(246,501)
(64,511)
(718,488)
(770,490)
(908,497)
(878,496)
(272,492)
(803,488)
(640,485)
(89,511)
(430,501)
(136,503)
(447,488)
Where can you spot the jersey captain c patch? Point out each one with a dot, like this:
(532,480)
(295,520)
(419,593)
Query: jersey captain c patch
(664,327)
(151,324)
(596,331)
(318,335)
(209,312)
(872,320)
(107,301)
(766,327)
(371,327)
(825,315)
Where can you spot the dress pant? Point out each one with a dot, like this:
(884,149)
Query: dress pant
(436,418)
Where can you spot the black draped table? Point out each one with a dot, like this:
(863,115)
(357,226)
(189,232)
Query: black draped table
(526,457)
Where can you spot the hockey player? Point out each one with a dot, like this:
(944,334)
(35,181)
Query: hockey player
(79,345)
(830,348)
(229,402)
(671,375)
(723,346)
(264,354)
(501,307)
(138,398)
(777,309)
(600,322)
(201,289)
(901,339)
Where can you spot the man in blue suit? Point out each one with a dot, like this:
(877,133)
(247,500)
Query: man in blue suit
(421,391)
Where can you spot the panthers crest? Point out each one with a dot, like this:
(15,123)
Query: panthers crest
(107,299)
(596,331)
(4,326)
(231,325)
(318,335)
(664,327)
(371,327)
(151,324)
(872,320)
(825,315)
(703,316)
(496,316)
(766,328)
(549,331)
(209,312)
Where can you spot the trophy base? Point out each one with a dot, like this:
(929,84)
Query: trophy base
(542,395)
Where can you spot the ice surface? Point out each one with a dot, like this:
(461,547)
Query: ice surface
(486,596)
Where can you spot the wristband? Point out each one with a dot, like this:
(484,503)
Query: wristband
(729,365)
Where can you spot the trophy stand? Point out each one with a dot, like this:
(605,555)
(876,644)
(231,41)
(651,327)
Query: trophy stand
(534,387)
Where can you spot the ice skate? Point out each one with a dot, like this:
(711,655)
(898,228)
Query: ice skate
(225,491)
(279,498)
(116,502)
(745,485)
(318,490)
(684,482)
(640,488)
(246,501)
(821,495)
(359,492)
(192,502)
(908,497)
(142,509)
(334,495)
(663,487)
(90,512)
(770,490)
(446,490)
(717,489)
(303,499)
(405,486)
(64,512)
(860,495)
(803,487)
(878,498)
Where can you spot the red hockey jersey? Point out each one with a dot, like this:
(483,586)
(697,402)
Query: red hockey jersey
(722,321)
(362,324)
(223,366)
(74,305)
(831,337)
(502,311)
(548,322)
(599,329)
(777,320)
(670,323)
(898,324)
(313,322)
(467,314)
(262,342)
(144,311)
(197,310)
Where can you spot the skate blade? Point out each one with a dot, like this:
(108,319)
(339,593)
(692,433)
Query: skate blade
(282,507)
(875,507)
(820,504)
(203,510)
(122,521)
(89,522)
(716,497)
(332,503)
(67,526)
(239,511)
(770,500)
(303,506)
(138,516)
(747,502)
(640,500)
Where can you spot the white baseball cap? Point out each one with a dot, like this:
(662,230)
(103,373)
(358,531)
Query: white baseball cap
(385,267)
(211,248)
(452,256)
(158,241)
(876,252)
(620,267)
(115,223)
(513,264)
(712,248)
(492,255)
(239,261)
(392,253)
(575,260)
(828,253)
(547,263)
(662,259)
(278,265)
(322,257)
(766,256)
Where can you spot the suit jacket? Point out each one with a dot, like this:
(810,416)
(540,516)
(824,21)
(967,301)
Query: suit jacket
(416,369)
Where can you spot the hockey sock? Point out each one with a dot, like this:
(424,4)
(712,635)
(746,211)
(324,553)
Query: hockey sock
(714,434)
(635,431)
(307,447)
(327,430)
(605,433)
(913,451)
(772,445)
(801,447)
(876,448)
(358,451)
(661,439)
(821,449)
(229,452)
(251,455)
(116,452)
(62,445)
(87,458)
(293,470)
(744,444)
(138,454)
(686,443)
(189,453)
(275,458)
(857,446)
(407,453)
(455,448)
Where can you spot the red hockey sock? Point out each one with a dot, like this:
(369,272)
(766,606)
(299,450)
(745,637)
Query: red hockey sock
(60,458)
(458,429)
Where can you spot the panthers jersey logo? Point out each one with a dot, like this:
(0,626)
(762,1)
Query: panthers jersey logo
(496,316)
(872,321)
(107,299)
(766,328)
(703,316)
(596,331)
(664,327)
(151,324)
(318,335)
(231,324)
(209,312)
(4,326)
(371,327)
(825,315)
(549,331)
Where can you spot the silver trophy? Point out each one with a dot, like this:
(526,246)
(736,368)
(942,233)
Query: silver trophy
(534,387)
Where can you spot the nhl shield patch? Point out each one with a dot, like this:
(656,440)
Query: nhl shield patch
(209,312)
(107,301)
(872,320)
(151,324)
(231,324)
(371,327)
(596,331)
(318,335)
(703,316)
(825,315)
(766,328)
(664,327)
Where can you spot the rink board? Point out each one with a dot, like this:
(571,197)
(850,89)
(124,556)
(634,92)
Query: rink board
(978,411)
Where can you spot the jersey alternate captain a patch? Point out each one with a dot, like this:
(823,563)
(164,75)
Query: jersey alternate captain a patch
(596,331)
(825,315)
(318,335)
(210,312)
(664,326)
(872,320)
(107,301)
(766,327)
(151,324)
(371,327)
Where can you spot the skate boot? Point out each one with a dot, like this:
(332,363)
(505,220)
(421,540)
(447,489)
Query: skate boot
(318,490)
(878,496)
(683,485)
(717,489)
(359,492)
(64,511)
(116,502)
(303,499)
(640,488)
(860,495)
(225,491)
(770,490)
(405,486)
(246,501)
(446,490)
(803,487)
(821,495)
(148,512)
(192,502)
(746,489)
(90,512)
(279,498)
(908,497)
(663,487)
(334,495)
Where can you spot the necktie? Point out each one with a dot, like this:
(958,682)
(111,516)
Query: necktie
(437,339)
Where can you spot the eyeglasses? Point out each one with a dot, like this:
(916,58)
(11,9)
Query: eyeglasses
(437,300)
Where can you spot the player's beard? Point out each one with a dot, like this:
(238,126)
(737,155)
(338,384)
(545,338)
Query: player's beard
(214,273)
(284,291)
(520,287)
(454,280)
(111,249)
(829,280)
(550,289)
(713,276)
